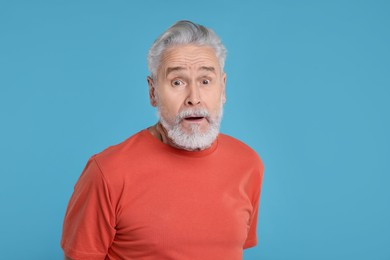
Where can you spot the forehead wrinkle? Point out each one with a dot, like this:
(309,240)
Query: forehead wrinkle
(185,63)
(174,60)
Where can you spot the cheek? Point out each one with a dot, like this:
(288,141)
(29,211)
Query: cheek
(168,108)
(171,102)
(214,101)
(218,106)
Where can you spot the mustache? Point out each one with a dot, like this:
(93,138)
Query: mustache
(201,112)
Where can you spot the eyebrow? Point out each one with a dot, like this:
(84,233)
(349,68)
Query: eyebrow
(211,69)
(176,69)
(173,69)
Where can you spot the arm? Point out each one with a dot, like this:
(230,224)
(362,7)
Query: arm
(257,182)
(89,223)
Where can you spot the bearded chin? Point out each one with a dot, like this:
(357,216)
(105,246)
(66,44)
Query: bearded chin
(195,138)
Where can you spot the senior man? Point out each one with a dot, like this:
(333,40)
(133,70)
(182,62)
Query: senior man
(178,189)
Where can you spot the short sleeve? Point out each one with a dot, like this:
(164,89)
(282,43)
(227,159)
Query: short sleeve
(89,224)
(251,240)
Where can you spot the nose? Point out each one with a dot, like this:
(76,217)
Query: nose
(193,97)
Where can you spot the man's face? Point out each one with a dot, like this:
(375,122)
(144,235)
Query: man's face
(190,91)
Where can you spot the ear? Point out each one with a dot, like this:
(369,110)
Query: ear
(224,88)
(152,91)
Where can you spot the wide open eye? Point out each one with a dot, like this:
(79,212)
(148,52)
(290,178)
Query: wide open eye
(205,81)
(177,83)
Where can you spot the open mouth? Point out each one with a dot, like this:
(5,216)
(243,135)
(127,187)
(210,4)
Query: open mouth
(194,118)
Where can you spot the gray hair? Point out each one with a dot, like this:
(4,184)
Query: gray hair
(183,33)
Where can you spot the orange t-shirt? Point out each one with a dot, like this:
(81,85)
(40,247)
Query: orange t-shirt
(143,199)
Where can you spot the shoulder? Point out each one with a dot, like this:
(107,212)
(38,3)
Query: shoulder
(239,148)
(234,148)
(124,146)
(240,151)
(115,157)
(243,159)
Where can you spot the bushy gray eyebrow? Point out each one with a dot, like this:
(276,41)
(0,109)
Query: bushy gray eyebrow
(178,68)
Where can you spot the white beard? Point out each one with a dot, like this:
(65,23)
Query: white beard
(195,139)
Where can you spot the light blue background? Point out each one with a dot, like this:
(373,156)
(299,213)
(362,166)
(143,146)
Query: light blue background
(308,88)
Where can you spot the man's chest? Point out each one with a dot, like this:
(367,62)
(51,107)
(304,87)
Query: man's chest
(174,210)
